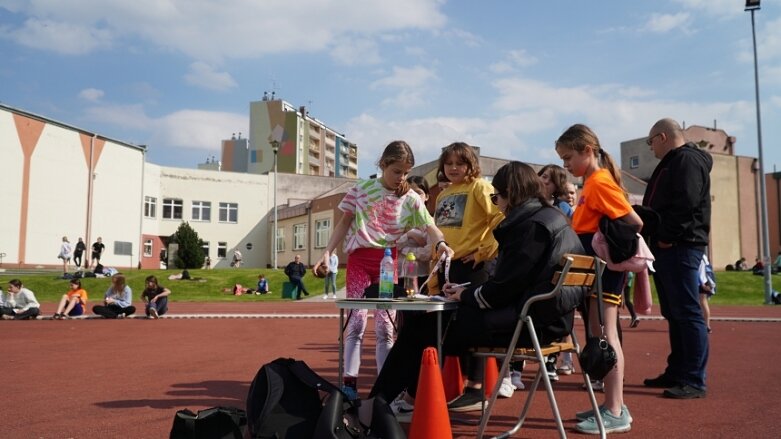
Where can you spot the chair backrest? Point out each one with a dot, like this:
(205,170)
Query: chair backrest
(576,271)
(580,272)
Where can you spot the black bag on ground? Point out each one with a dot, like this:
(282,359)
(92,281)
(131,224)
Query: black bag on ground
(339,420)
(212,423)
(284,400)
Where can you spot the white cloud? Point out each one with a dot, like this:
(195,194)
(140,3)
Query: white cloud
(203,75)
(512,60)
(404,77)
(91,94)
(355,51)
(61,37)
(663,23)
(718,8)
(187,128)
(205,30)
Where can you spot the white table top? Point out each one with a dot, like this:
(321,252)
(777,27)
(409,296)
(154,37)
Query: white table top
(397,304)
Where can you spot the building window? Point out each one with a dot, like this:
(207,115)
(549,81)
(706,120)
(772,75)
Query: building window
(322,233)
(222,249)
(202,211)
(150,207)
(299,236)
(148,248)
(172,208)
(280,240)
(205,247)
(634,162)
(229,212)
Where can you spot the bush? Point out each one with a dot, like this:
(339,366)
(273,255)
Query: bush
(190,252)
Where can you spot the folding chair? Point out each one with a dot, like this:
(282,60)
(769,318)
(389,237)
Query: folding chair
(577,270)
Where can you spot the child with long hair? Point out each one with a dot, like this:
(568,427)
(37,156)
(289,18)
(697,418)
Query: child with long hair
(466,215)
(155,296)
(117,302)
(376,213)
(602,195)
(416,241)
(73,303)
(554,181)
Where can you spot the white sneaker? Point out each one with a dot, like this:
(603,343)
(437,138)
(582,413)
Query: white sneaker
(506,389)
(515,380)
(402,410)
(332,296)
(325,296)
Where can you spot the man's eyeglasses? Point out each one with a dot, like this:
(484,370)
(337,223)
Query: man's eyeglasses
(649,141)
(495,198)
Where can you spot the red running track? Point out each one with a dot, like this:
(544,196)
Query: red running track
(126,379)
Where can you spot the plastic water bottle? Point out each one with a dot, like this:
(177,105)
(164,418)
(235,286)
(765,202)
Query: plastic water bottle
(410,274)
(386,275)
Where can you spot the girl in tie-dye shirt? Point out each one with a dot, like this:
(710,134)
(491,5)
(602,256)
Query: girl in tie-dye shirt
(376,213)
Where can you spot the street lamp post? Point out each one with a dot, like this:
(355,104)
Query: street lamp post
(753,5)
(275,148)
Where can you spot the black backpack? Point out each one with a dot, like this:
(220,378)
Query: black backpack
(212,423)
(284,400)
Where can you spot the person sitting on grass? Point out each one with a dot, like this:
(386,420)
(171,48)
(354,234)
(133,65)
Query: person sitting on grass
(155,297)
(19,302)
(73,303)
(262,285)
(118,300)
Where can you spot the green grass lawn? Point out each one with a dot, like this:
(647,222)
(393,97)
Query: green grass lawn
(49,288)
(732,288)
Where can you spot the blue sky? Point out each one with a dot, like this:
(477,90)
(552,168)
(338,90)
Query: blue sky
(509,76)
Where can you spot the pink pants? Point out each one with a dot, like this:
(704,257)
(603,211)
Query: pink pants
(363,269)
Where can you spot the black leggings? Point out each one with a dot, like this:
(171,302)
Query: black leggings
(112,311)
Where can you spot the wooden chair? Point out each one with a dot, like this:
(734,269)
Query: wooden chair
(577,270)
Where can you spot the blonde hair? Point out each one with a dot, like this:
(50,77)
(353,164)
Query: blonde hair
(578,137)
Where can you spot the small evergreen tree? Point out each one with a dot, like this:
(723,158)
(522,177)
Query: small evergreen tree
(190,253)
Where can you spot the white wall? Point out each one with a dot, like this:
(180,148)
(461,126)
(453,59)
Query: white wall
(12,158)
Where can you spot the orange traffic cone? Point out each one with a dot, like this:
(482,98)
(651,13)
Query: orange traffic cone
(491,375)
(452,378)
(430,420)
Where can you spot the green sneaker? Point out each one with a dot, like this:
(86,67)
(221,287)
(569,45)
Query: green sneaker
(582,416)
(613,424)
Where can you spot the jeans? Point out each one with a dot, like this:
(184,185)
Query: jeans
(161,305)
(678,288)
(296,281)
(30,313)
(330,281)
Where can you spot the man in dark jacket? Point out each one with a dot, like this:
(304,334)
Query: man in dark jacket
(679,191)
(295,271)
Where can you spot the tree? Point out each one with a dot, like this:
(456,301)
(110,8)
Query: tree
(190,253)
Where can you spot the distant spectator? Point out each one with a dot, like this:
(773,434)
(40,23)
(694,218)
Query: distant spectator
(759,267)
(777,263)
(740,264)
(237,258)
(19,302)
(295,271)
(66,253)
(73,303)
(97,251)
(155,297)
(78,252)
(330,277)
(707,289)
(262,285)
(207,263)
(118,300)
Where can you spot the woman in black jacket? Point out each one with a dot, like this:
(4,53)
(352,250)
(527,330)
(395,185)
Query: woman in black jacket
(532,239)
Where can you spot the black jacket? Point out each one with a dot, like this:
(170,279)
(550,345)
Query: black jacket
(295,270)
(532,239)
(679,191)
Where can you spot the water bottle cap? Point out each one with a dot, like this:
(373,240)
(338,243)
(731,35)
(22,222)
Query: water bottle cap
(388,251)
(410,256)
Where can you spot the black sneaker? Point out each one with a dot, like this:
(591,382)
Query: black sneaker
(550,367)
(471,400)
(660,382)
(684,392)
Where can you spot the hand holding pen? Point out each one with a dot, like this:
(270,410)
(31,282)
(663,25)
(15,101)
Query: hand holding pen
(453,291)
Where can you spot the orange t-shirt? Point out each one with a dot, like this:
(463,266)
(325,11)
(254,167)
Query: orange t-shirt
(601,196)
(81,292)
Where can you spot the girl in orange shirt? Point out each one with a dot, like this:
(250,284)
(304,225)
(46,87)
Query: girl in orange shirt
(73,303)
(602,195)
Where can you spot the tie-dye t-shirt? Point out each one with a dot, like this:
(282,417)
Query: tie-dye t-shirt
(380,217)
